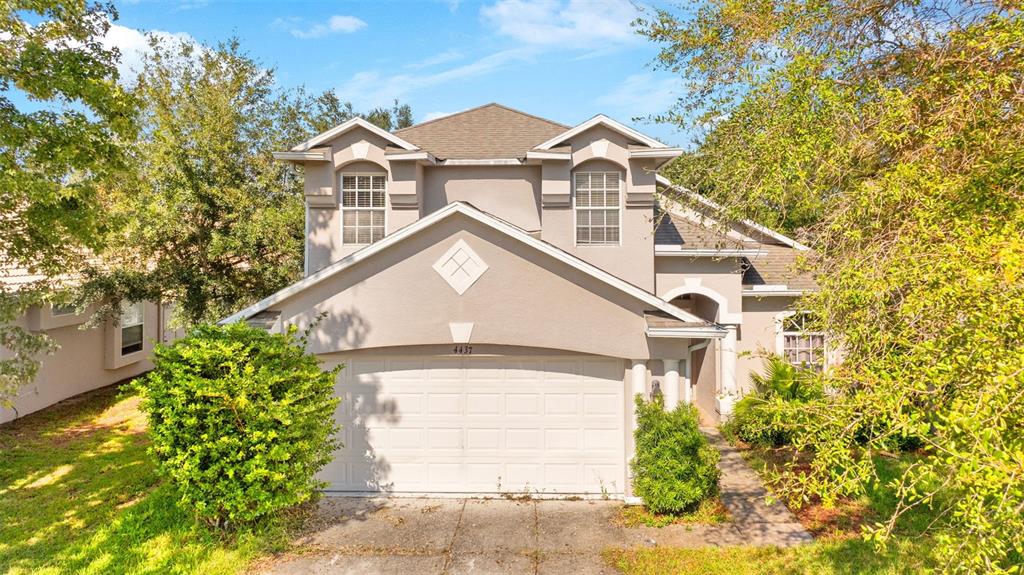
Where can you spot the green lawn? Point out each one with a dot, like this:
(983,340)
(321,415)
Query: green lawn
(838,549)
(79,494)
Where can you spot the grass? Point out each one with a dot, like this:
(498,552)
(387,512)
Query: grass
(79,494)
(838,549)
(709,511)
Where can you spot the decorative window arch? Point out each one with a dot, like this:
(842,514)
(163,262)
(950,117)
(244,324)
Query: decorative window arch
(724,315)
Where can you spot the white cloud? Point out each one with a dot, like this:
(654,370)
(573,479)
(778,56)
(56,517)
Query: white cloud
(441,58)
(576,24)
(336,24)
(641,95)
(372,88)
(134,46)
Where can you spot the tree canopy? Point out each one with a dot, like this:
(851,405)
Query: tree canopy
(890,136)
(206,217)
(63,119)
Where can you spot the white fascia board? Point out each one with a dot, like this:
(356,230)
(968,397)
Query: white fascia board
(349,125)
(486,219)
(664,153)
(679,251)
(482,162)
(686,332)
(607,122)
(420,155)
(314,155)
(753,225)
(783,292)
(548,156)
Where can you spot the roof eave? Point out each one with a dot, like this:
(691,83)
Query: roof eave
(687,332)
(601,119)
(350,125)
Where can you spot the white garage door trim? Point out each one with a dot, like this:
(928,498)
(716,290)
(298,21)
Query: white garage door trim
(480,426)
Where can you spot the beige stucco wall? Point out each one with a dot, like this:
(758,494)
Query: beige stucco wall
(510,192)
(633,259)
(674,275)
(757,336)
(525,298)
(79,365)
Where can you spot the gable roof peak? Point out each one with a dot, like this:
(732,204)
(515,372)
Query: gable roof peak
(601,119)
(490,131)
(350,124)
(489,105)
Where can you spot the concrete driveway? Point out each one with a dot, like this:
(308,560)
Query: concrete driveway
(456,536)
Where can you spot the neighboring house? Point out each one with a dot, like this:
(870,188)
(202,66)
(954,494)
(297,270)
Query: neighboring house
(499,286)
(87,358)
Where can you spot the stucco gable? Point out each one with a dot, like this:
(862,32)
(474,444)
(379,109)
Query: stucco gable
(551,277)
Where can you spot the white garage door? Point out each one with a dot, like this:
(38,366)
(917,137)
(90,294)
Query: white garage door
(480,425)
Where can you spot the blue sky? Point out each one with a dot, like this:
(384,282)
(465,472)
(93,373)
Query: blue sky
(562,59)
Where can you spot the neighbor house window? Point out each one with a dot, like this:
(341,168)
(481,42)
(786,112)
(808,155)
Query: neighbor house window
(800,346)
(62,309)
(362,208)
(131,328)
(596,198)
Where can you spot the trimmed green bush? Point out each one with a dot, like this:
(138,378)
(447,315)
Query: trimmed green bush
(762,417)
(674,468)
(241,420)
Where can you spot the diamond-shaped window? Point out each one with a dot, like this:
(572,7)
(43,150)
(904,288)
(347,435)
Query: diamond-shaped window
(460,266)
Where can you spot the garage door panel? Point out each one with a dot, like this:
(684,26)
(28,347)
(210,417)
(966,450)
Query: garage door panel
(519,404)
(552,425)
(483,439)
(522,439)
(483,403)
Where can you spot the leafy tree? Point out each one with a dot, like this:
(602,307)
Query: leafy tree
(206,217)
(63,119)
(890,134)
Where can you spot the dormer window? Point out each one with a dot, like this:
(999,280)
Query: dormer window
(596,201)
(362,208)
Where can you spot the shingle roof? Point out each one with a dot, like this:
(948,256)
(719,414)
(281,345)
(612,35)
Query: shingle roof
(778,265)
(676,230)
(662,320)
(490,131)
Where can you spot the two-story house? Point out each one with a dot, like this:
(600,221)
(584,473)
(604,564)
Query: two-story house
(500,286)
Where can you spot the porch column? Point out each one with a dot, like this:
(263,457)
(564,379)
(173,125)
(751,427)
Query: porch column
(687,390)
(639,378)
(729,389)
(671,389)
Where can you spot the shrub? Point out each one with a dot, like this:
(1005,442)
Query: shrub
(241,420)
(761,417)
(674,468)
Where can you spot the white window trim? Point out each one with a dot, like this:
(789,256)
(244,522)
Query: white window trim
(121,327)
(781,333)
(341,204)
(620,208)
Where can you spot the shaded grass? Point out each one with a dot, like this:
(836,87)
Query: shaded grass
(709,511)
(838,549)
(79,494)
